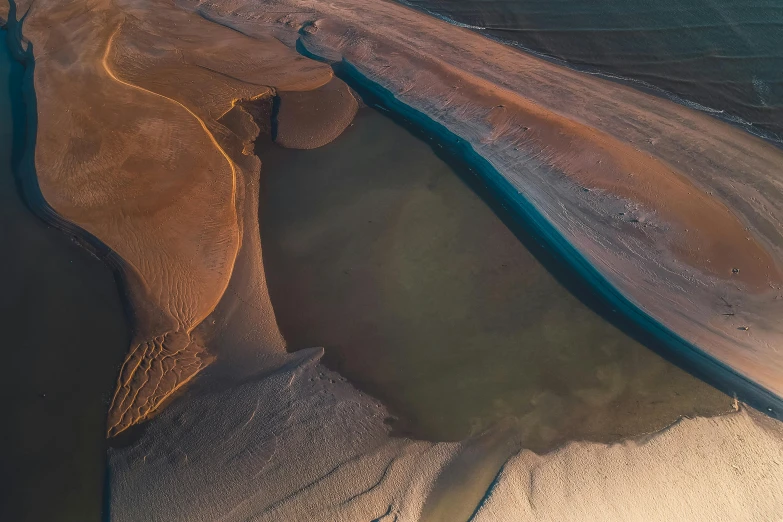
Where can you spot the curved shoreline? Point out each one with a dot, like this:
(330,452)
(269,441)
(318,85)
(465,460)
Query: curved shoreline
(91,498)
(26,175)
(726,378)
(770,136)
(684,353)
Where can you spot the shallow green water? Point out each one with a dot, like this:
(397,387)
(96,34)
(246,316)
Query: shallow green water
(377,250)
(64,335)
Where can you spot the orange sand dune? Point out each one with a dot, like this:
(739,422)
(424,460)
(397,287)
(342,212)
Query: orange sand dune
(681,213)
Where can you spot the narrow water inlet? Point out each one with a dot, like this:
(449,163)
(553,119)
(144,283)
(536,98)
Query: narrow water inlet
(376,249)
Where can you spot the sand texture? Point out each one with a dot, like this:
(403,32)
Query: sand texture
(147,113)
(679,212)
(732,473)
(145,166)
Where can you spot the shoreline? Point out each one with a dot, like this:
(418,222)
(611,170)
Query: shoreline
(339,243)
(89,498)
(312,43)
(732,378)
(687,355)
(27,178)
(727,378)
(773,138)
(317,448)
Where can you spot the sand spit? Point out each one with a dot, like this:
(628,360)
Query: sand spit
(679,212)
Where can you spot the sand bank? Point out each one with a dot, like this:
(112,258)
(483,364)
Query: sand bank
(152,164)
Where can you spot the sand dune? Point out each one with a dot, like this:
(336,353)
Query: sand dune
(681,213)
(146,116)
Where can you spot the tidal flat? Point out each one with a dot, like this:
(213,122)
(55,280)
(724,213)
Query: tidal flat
(381,252)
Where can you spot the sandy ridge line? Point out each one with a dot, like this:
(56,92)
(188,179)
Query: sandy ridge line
(114,77)
(125,384)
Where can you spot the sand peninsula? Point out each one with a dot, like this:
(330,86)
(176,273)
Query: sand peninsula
(146,114)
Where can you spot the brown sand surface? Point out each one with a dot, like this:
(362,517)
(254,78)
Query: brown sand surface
(145,163)
(64,336)
(311,119)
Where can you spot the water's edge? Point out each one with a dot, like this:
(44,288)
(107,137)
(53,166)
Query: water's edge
(26,179)
(759,131)
(25,171)
(666,342)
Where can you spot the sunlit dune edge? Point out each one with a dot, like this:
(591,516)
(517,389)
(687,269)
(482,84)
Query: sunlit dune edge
(157,164)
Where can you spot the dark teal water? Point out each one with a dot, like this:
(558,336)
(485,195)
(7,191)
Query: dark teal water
(721,56)
(64,335)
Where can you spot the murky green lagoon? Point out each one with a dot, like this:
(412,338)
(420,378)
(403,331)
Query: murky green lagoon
(376,249)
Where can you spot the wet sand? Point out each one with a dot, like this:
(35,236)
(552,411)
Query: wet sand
(64,336)
(421,295)
(723,54)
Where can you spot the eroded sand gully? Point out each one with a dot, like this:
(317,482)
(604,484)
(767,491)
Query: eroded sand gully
(157,100)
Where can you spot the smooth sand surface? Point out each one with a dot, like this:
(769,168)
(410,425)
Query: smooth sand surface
(311,119)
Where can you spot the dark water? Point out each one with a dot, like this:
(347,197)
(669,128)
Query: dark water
(376,249)
(64,335)
(723,54)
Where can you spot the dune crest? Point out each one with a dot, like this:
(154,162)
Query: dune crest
(161,102)
(148,167)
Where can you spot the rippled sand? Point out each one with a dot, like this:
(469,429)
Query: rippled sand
(652,203)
